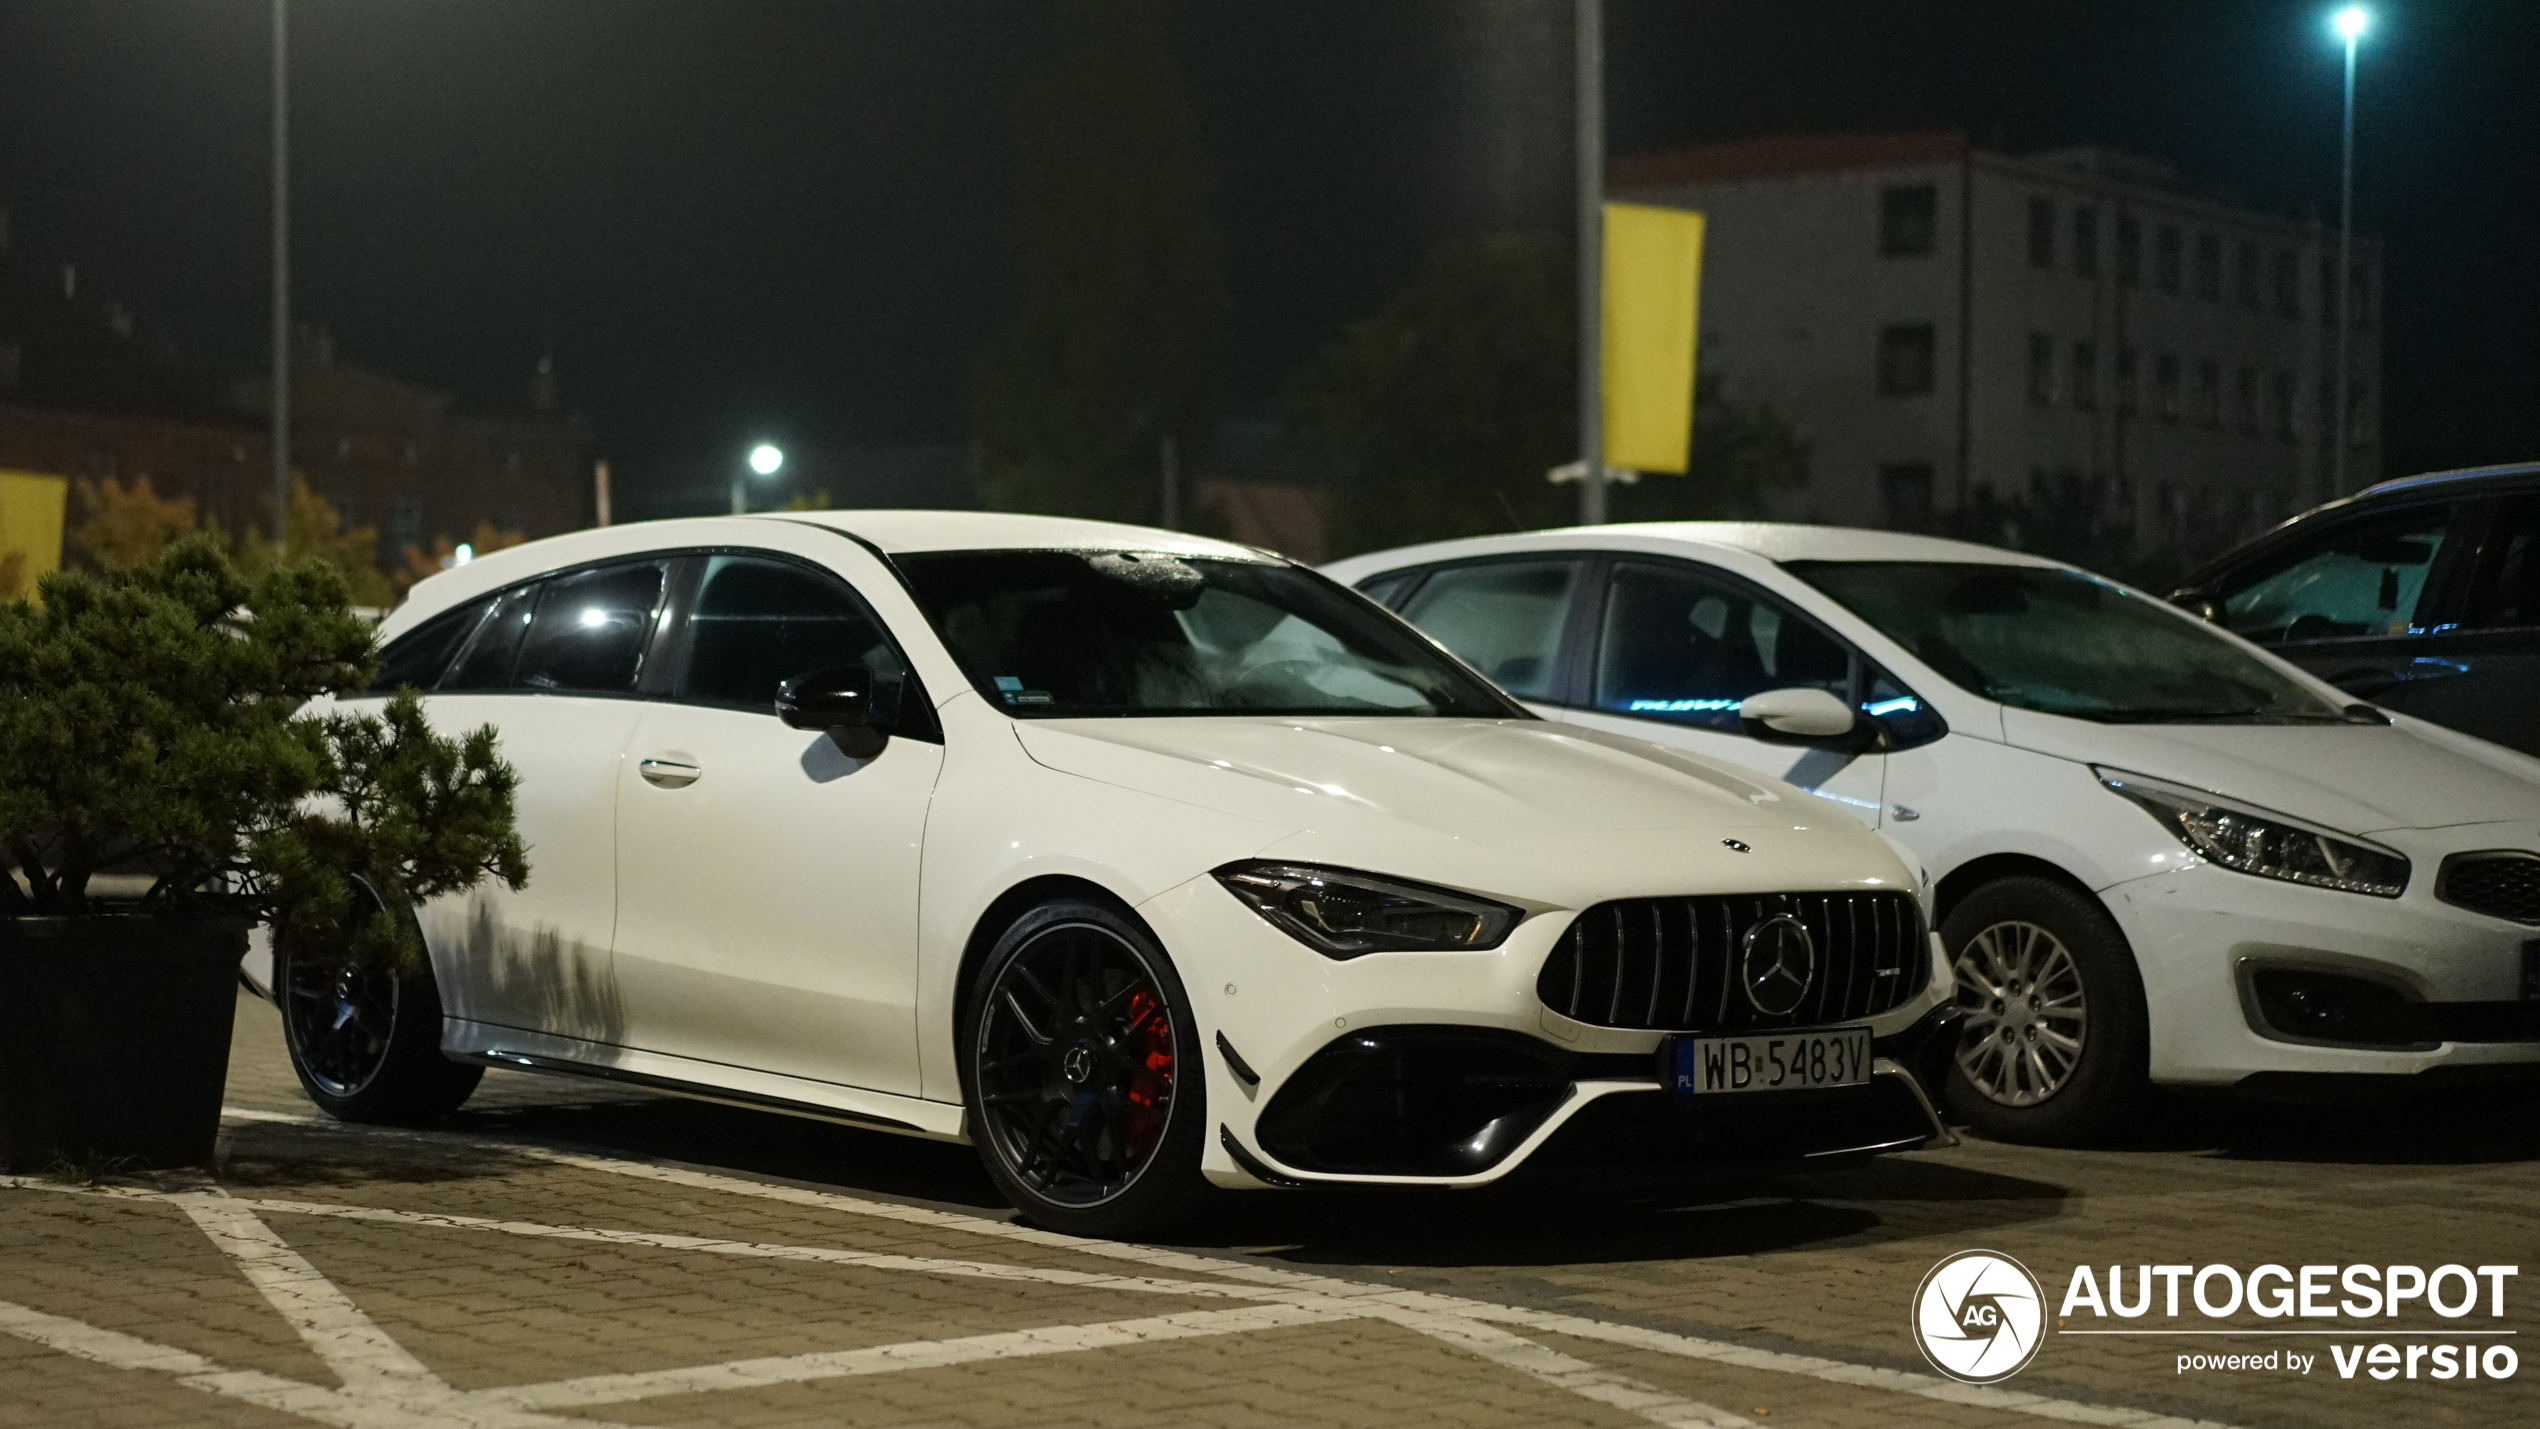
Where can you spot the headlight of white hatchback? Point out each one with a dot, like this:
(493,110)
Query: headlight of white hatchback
(2266,845)
(1342,914)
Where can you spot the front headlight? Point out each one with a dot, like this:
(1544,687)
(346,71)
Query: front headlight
(2267,845)
(1342,914)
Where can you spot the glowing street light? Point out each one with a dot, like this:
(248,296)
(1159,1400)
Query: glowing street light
(765,459)
(2350,24)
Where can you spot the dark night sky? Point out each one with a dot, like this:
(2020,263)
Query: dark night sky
(794,217)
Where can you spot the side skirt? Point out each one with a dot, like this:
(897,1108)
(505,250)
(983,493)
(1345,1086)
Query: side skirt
(524,1051)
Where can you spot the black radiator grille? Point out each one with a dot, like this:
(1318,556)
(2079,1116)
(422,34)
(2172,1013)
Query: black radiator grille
(2502,884)
(1674,963)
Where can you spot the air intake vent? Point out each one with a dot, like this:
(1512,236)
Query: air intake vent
(1678,964)
(2504,883)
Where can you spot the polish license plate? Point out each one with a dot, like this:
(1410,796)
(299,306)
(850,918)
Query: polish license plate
(1779,1062)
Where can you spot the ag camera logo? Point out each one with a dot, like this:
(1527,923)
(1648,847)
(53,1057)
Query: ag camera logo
(1979,1316)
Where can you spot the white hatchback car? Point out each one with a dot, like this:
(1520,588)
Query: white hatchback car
(1139,860)
(2160,854)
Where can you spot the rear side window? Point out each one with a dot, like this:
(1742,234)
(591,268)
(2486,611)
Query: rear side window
(419,656)
(758,623)
(590,631)
(2506,593)
(2360,579)
(486,661)
(1689,648)
(1503,618)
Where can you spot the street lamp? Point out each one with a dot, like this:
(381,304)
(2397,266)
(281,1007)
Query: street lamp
(765,459)
(2350,23)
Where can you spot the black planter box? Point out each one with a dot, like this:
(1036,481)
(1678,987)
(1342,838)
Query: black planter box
(114,1037)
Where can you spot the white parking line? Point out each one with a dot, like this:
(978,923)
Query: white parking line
(386,1388)
(914,1354)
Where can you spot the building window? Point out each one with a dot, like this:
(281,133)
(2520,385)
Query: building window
(2248,279)
(2085,380)
(2041,368)
(2129,249)
(2086,242)
(2166,261)
(2209,267)
(1909,221)
(2128,399)
(2208,396)
(2282,393)
(2288,284)
(1905,359)
(2244,395)
(1905,496)
(2165,385)
(2041,233)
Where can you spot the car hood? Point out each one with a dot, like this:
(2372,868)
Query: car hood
(2360,778)
(1516,808)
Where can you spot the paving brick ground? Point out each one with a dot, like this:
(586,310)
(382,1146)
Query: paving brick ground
(569,1254)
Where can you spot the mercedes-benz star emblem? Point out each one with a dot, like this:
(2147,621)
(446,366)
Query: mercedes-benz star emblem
(1779,966)
(1078,1064)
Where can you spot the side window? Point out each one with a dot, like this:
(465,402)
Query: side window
(757,623)
(1907,719)
(1503,618)
(589,634)
(2506,593)
(486,662)
(1687,647)
(1389,590)
(2361,578)
(419,656)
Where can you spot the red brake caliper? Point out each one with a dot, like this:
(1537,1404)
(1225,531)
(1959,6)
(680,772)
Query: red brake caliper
(1151,1084)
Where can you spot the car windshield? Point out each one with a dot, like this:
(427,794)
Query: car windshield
(2065,643)
(1057,634)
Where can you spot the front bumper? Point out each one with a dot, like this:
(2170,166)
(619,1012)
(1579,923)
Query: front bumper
(1446,1069)
(2248,978)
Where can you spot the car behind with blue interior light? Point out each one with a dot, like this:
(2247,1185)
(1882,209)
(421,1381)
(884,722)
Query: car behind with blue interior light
(2159,854)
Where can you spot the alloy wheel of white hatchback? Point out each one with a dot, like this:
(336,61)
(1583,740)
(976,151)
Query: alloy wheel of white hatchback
(2027,1013)
(2055,1044)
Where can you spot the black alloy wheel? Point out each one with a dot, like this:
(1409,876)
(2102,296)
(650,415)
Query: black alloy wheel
(1083,1073)
(2055,1047)
(365,1035)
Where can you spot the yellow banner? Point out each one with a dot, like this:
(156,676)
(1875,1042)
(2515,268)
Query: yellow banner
(1653,294)
(30,529)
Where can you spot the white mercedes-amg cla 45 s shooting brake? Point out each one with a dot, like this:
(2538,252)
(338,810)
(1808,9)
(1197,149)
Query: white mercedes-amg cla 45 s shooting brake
(1140,861)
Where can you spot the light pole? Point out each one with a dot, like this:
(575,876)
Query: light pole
(281,436)
(2350,24)
(765,459)
(1589,56)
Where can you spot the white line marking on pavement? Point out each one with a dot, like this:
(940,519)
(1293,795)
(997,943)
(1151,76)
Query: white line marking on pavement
(412,1406)
(334,1328)
(1441,1316)
(914,1354)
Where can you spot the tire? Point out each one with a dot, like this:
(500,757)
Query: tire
(1080,1066)
(365,1040)
(2056,1044)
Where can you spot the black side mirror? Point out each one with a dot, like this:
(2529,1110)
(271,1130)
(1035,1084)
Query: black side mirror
(839,701)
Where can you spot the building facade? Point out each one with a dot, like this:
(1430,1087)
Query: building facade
(2066,337)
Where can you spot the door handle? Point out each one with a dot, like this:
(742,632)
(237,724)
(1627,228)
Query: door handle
(668,773)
